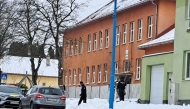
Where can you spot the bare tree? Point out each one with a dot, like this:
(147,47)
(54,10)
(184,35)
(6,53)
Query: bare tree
(30,30)
(59,14)
(7,28)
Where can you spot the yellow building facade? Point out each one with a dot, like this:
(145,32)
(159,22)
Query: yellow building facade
(42,80)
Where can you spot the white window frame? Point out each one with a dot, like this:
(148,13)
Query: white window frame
(124,33)
(70,77)
(71,49)
(67,48)
(65,80)
(80,75)
(107,38)
(76,46)
(99,73)
(81,45)
(132,31)
(101,39)
(188,14)
(88,75)
(95,41)
(150,26)
(89,42)
(74,73)
(140,30)
(138,69)
(187,66)
(93,74)
(117,35)
(116,67)
(105,72)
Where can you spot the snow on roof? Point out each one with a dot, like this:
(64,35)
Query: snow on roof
(108,9)
(19,65)
(166,38)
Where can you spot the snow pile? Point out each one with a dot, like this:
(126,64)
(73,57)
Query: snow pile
(72,103)
(108,9)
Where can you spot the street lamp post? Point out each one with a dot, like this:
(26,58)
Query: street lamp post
(111,97)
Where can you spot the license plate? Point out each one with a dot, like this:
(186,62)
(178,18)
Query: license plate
(14,102)
(51,99)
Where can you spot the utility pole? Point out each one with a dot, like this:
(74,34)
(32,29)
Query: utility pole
(111,97)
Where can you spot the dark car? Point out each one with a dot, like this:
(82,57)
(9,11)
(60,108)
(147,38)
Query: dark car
(43,97)
(10,96)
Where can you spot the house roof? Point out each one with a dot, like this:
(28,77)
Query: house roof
(166,38)
(108,9)
(19,65)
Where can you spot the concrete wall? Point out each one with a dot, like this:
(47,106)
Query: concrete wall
(132,91)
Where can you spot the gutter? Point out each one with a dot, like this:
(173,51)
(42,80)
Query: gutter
(156,21)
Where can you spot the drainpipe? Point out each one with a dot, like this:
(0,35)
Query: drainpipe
(156,21)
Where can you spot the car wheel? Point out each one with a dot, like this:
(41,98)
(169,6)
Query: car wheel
(32,106)
(20,105)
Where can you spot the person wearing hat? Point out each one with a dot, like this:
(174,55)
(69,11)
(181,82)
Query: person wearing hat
(121,88)
(83,93)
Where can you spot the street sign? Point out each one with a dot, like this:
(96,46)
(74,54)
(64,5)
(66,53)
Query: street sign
(4,76)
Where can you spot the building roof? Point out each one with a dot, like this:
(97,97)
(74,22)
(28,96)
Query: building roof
(166,38)
(19,65)
(108,9)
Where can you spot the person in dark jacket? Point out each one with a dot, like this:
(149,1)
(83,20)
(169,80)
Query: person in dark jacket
(83,93)
(121,89)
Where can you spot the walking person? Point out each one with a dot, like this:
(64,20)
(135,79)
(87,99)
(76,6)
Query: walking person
(121,89)
(83,93)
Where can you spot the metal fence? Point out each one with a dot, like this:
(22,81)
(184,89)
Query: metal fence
(132,91)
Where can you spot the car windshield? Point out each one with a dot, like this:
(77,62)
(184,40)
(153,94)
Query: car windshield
(9,89)
(50,91)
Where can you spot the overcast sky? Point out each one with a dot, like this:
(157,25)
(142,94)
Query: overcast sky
(93,6)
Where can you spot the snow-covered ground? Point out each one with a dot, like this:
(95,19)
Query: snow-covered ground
(72,103)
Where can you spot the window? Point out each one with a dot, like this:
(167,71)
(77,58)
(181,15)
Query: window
(95,41)
(67,49)
(71,47)
(188,9)
(93,74)
(99,73)
(105,72)
(126,66)
(107,38)
(76,46)
(124,33)
(43,84)
(101,40)
(117,35)
(66,80)
(80,75)
(70,77)
(138,65)
(89,43)
(150,25)
(81,45)
(188,65)
(132,27)
(116,67)
(88,75)
(74,71)
(140,25)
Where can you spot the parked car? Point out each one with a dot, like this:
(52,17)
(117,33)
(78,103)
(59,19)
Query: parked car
(10,96)
(43,97)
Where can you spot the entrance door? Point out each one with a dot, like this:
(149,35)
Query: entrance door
(157,84)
